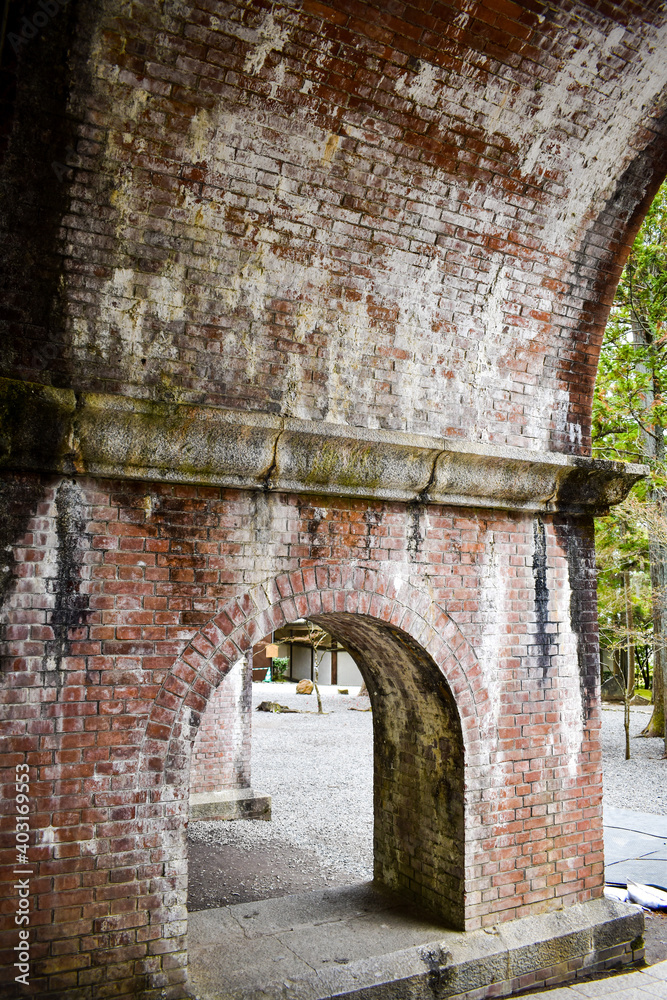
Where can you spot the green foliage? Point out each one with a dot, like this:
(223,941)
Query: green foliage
(279,667)
(621,546)
(630,405)
(629,420)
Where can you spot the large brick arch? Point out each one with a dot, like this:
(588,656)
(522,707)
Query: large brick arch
(312,593)
(280,279)
(373,614)
(446,194)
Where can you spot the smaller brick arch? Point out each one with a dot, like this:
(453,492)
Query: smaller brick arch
(308,593)
(434,684)
(418,773)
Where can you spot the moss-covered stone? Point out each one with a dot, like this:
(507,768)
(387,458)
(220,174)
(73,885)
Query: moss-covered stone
(52,430)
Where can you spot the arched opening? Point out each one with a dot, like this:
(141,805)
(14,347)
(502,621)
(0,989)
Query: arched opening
(430,707)
(418,843)
(418,765)
(301,759)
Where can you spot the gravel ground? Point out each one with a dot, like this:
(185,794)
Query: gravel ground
(320,776)
(319,772)
(641,782)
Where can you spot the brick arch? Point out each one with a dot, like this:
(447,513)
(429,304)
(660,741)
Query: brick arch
(594,269)
(442,712)
(499,208)
(246,619)
(420,219)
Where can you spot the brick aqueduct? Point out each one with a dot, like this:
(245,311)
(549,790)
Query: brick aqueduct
(302,303)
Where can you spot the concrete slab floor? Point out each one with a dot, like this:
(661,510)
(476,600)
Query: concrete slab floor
(226,875)
(644,984)
(635,847)
(361,942)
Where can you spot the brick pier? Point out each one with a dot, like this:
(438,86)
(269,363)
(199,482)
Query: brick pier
(302,304)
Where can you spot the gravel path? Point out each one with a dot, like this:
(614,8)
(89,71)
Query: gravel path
(319,772)
(320,775)
(641,782)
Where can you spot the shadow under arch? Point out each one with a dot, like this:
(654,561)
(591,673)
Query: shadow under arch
(418,841)
(433,672)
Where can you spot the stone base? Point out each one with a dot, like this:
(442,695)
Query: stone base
(364,944)
(612,690)
(230,803)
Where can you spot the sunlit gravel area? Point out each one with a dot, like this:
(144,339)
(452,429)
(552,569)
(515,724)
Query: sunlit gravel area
(319,772)
(641,782)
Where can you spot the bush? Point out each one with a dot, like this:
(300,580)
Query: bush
(279,668)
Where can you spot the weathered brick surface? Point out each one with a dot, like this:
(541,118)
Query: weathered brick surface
(221,750)
(327,210)
(408,216)
(461,623)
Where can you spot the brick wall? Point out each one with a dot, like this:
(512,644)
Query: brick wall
(221,750)
(407,218)
(330,210)
(125,609)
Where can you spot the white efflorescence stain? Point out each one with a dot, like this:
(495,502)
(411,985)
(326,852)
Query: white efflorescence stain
(493,614)
(421,87)
(571,727)
(278,245)
(235,685)
(271,37)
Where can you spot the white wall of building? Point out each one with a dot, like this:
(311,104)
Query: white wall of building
(300,662)
(348,672)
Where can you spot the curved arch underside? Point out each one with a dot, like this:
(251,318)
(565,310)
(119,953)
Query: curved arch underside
(410,219)
(419,839)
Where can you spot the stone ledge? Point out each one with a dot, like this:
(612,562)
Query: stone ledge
(43,429)
(361,943)
(231,803)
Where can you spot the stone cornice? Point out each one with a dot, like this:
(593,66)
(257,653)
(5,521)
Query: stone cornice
(43,429)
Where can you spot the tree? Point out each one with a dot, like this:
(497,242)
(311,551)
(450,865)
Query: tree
(624,601)
(630,409)
(316,638)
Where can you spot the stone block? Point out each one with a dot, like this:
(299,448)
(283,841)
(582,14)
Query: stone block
(235,803)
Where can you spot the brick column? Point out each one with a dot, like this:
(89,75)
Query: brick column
(220,768)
